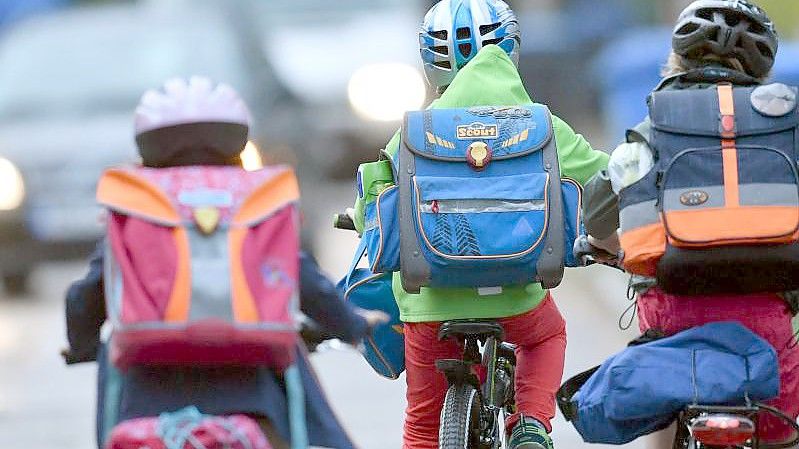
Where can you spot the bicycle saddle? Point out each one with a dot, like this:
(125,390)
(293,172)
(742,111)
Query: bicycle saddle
(460,329)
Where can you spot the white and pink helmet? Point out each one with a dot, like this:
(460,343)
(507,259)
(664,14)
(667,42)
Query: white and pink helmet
(189,116)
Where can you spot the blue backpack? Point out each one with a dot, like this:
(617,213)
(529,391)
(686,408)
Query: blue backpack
(479,201)
(643,388)
(384,348)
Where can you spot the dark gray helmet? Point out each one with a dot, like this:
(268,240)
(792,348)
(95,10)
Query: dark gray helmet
(728,29)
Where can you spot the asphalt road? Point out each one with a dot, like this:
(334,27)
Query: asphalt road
(45,405)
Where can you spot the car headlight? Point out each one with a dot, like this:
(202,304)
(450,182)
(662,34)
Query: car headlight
(251,157)
(12,187)
(384,92)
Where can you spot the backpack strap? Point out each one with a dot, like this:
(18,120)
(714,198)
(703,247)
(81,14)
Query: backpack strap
(550,264)
(641,133)
(414,269)
(728,144)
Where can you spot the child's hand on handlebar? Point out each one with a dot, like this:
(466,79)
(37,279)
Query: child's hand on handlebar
(609,244)
(588,251)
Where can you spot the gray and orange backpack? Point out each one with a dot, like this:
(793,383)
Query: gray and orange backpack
(719,212)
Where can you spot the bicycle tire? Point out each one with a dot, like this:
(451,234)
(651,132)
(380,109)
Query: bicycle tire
(460,418)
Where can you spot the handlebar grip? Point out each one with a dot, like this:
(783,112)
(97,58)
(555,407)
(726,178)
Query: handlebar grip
(343,221)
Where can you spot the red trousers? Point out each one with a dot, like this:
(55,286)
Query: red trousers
(540,336)
(764,314)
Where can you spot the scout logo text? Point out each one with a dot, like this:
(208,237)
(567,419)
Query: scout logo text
(477,130)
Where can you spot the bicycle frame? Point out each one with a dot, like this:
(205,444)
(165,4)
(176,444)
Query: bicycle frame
(496,392)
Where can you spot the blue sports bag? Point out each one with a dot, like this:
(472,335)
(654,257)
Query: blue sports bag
(642,388)
(384,349)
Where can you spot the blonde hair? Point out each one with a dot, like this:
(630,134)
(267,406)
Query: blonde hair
(677,64)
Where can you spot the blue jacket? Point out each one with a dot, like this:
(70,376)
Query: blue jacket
(149,391)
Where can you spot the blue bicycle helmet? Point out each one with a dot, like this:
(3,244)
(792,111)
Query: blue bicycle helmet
(454,31)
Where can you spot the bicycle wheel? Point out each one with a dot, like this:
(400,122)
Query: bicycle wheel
(460,419)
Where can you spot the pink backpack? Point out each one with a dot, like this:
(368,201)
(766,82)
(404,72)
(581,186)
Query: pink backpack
(188,429)
(202,265)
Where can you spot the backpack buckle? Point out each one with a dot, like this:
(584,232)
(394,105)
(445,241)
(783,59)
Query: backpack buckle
(207,219)
(479,155)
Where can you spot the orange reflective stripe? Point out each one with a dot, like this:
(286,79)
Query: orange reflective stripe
(731,193)
(125,191)
(244,309)
(177,309)
(729,152)
(726,103)
(275,193)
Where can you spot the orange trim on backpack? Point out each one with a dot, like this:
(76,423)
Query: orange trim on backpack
(275,193)
(732,196)
(718,226)
(132,194)
(177,309)
(244,308)
(729,152)
(726,103)
(643,247)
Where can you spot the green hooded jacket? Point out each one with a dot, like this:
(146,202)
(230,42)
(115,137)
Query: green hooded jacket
(491,79)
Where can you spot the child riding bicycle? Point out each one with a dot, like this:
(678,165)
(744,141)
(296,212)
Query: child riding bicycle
(470,49)
(191,132)
(693,267)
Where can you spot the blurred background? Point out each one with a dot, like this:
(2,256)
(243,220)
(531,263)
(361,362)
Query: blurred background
(328,82)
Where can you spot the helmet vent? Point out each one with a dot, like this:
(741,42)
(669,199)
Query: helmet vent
(705,14)
(463,33)
(756,28)
(441,34)
(485,29)
(465,49)
(688,28)
(765,50)
(441,50)
(713,34)
(443,65)
(492,41)
(732,19)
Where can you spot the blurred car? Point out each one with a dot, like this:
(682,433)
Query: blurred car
(355,66)
(69,83)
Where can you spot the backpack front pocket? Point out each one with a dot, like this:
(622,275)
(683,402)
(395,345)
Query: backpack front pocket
(468,219)
(730,196)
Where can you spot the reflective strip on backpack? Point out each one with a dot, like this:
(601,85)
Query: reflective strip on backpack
(639,215)
(480,206)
